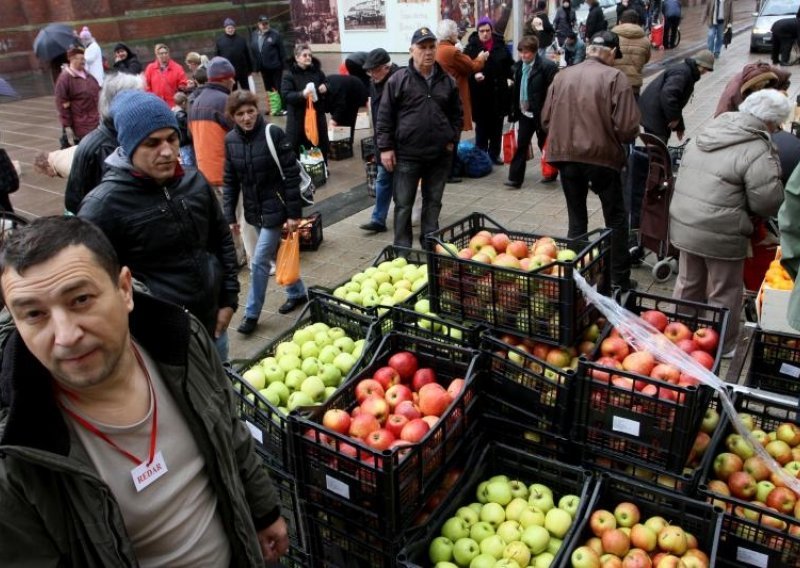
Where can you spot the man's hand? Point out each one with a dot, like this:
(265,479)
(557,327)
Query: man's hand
(224,316)
(333,124)
(388,160)
(483,55)
(323,88)
(292,225)
(274,540)
(479,77)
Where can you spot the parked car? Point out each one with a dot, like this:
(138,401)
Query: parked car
(609,11)
(771,11)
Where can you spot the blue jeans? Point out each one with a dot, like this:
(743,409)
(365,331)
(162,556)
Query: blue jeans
(268,240)
(222,345)
(715,38)
(407,174)
(383,195)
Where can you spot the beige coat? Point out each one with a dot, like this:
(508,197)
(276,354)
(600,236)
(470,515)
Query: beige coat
(459,67)
(727,10)
(635,48)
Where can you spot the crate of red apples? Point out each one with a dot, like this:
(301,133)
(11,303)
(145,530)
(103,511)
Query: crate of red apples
(516,282)
(633,407)
(380,446)
(762,514)
(634,525)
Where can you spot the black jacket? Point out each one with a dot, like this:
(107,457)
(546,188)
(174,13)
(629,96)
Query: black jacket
(251,171)
(88,164)
(595,22)
(418,120)
(294,81)
(662,101)
(539,80)
(272,53)
(788,152)
(490,97)
(347,95)
(546,35)
(634,5)
(235,49)
(564,22)
(128,65)
(375,94)
(786,28)
(174,238)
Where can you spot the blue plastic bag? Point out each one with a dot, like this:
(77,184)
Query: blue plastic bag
(474,161)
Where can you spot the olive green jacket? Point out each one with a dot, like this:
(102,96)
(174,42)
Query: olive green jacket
(54,508)
(789,222)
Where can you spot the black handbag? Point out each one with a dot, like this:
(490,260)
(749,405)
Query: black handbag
(9,179)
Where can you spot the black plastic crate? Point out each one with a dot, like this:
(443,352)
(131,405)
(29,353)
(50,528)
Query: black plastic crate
(700,519)
(540,304)
(775,364)
(387,489)
(430,326)
(623,423)
(390,253)
(268,425)
(368,149)
(340,150)
(288,498)
(310,230)
(546,391)
(751,542)
(295,558)
(497,458)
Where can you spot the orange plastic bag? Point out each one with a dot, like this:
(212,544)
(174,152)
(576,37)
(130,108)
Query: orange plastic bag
(311,123)
(287,263)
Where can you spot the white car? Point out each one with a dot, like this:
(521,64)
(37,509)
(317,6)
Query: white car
(771,11)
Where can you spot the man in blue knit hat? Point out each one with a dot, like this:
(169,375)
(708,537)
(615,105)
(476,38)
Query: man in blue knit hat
(165,223)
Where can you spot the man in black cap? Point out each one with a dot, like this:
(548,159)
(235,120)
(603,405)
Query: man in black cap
(233,47)
(608,119)
(419,123)
(269,56)
(379,67)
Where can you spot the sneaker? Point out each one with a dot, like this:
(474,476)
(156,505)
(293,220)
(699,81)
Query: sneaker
(292,304)
(272,269)
(373,227)
(730,354)
(247,326)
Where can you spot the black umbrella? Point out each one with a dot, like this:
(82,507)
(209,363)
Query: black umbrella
(6,90)
(53,40)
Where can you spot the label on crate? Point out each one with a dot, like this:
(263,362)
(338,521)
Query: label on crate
(625,425)
(338,487)
(752,557)
(255,431)
(790,370)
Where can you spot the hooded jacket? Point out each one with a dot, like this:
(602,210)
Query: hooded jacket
(130,64)
(491,97)
(58,512)
(635,48)
(663,99)
(174,238)
(752,77)
(729,172)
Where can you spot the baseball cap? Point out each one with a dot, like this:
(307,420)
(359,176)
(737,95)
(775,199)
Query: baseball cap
(376,58)
(609,40)
(422,34)
(263,19)
(704,59)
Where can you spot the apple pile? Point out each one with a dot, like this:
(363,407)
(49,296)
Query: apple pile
(742,474)
(621,540)
(510,525)
(389,283)
(306,370)
(616,353)
(395,407)
(499,250)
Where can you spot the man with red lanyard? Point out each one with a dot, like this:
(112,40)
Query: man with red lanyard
(118,443)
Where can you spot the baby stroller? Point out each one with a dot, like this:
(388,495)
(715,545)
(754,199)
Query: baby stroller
(653,231)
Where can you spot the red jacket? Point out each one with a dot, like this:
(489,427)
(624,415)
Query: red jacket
(80,97)
(164,84)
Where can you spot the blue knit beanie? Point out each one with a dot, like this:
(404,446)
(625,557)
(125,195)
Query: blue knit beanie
(137,115)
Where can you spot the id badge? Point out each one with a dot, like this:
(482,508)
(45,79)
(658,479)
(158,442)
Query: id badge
(144,474)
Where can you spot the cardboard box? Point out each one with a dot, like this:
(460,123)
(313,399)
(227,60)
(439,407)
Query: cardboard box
(772,306)
(339,133)
(362,121)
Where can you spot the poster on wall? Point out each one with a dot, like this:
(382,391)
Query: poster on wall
(460,11)
(315,21)
(364,15)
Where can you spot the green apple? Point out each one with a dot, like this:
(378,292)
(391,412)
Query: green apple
(469,516)
(419,283)
(464,550)
(318,326)
(330,375)
(303,335)
(455,528)
(287,348)
(329,392)
(314,388)
(294,377)
(336,332)
(345,362)
(493,513)
(370,298)
(499,491)
(516,507)
(541,498)
(405,283)
(476,507)
(544,560)
(298,398)
(310,366)
(509,531)
(493,545)
(455,333)
(370,271)
(273,373)
(554,545)
(557,522)
(358,349)
(483,561)
(358,277)
(273,397)
(385,265)
(399,262)
(322,339)
(255,377)
(369,284)
(385,289)
(309,349)
(536,539)
(289,362)
(381,278)
(340,292)
(400,295)
(518,552)
(499,478)
(480,492)
(266,361)
(328,354)
(396,274)
(570,503)
(422,306)
(354,298)
(566,255)
(480,531)
(531,516)
(352,287)
(518,488)
(507,563)
(445,565)
(281,390)
(345,344)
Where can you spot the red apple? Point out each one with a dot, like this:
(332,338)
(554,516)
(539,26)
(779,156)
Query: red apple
(558,357)
(756,467)
(666,372)
(602,521)
(397,394)
(433,399)
(455,387)
(780,451)
(686,345)
(386,376)
(639,362)
(500,242)
(408,409)
(381,439)
(704,358)
(656,318)
(548,249)
(788,432)
(422,377)
(367,388)
(675,331)
(615,542)
(431,421)
(725,464)
(465,253)
(782,499)
(414,431)
(608,362)
(479,241)
(337,420)
(377,407)
(363,424)
(615,347)
(518,249)
(742,485)
(405,363)
(395,423)
(706,338)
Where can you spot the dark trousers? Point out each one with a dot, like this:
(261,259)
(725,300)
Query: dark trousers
(671,31)
(407,174)
(782,47)
(606,183)
(527,128)
(489,135)
(242,83)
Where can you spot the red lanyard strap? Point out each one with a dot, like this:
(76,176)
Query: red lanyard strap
(88,426)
